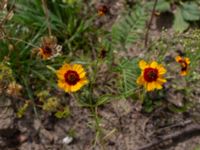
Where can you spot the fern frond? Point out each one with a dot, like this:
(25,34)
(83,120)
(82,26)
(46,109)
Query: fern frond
(129,71)
(129,28)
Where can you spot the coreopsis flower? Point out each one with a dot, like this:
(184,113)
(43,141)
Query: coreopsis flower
(151,75)
(49,48)
(102,10)
(184,62)
(71,77)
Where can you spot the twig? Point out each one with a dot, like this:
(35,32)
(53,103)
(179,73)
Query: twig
(6,17)
(149,24)
(8,14)
(180,124)
(46,15)
(195,128)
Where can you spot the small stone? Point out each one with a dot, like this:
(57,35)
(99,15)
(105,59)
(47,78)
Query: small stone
(67,140)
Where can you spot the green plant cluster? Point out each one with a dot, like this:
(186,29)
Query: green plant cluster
(185,12)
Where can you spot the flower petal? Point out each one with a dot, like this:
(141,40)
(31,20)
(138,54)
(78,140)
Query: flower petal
(61,84)
(161,70)
(67,88)
(183,73)
(178,58)
(154,64)
(151,86)
(158,85)
(143,64)
(140,80)
(79,69)
(187,60)
(161,80)
(61,72)
(76,87)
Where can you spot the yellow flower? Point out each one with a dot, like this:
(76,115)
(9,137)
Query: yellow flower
(151,76)
(71,77)
(184,62)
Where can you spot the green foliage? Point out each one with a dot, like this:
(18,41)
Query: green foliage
(66,22)
(129,71)
(6,73)
(129,28)
(163,6)
(63,113)
(51,104)
(179,23)
(72,26)
(182,109)
(152,100)
(185,12)
(190,11)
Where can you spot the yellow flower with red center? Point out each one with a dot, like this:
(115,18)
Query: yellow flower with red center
(71,77)
(184,62)
(151,76)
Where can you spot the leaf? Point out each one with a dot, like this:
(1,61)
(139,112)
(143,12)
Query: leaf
(163,5)
(190,11)
(64,113)
(180,24)
(129,71)
(129,28)
(148,105)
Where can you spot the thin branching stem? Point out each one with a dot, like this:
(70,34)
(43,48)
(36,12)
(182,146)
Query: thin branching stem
(149,24)
(20,40)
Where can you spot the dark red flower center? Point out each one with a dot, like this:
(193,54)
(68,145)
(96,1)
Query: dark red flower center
(184,65)
(150,74)
(71,77)
(47,50)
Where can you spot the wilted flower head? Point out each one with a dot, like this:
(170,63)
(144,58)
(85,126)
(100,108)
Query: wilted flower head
(151,76)
(49,48)
(71,77)
(102,10)
(14,89)
(184,63)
